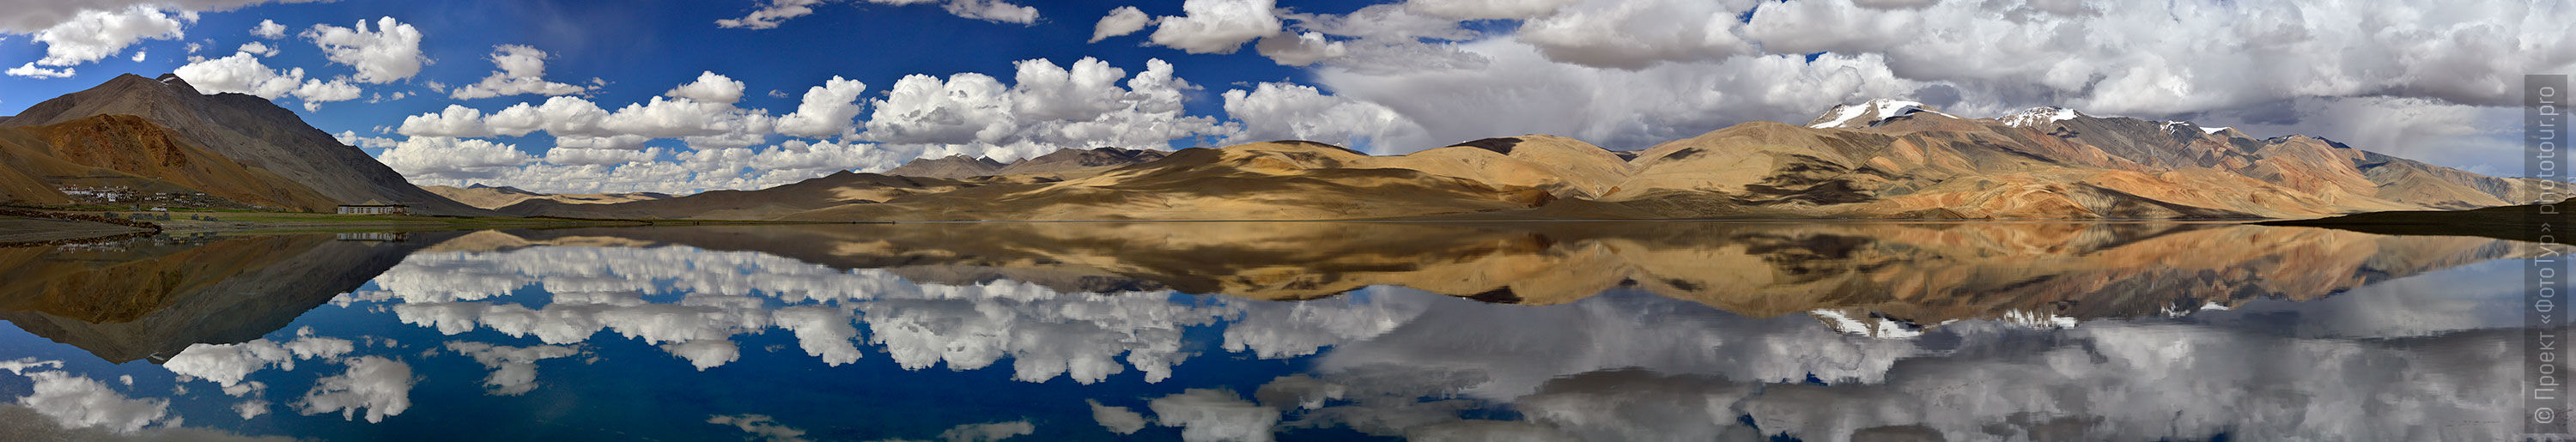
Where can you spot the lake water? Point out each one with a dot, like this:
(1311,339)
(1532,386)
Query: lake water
(1263,331)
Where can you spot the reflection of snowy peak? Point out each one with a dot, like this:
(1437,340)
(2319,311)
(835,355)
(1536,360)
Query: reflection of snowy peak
(1870,114)
(1871,326)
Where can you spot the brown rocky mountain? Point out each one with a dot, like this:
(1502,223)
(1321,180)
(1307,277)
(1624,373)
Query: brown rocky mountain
(951,167)
(147,298)
(249,131)
(497,197)
(92,154)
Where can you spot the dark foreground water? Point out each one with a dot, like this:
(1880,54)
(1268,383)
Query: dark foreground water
(1290,331)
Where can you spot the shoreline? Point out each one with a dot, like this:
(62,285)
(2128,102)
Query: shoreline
(24,226)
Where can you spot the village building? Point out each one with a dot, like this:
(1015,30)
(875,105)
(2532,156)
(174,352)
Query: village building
(375,207)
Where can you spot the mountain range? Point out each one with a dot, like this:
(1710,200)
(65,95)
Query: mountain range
(1882,159)
(145,136)
(1877,160)
(479,195)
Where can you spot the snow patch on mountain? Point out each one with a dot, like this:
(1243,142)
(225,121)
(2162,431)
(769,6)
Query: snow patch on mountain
(1870,114)
(2172,125)
(2039,116)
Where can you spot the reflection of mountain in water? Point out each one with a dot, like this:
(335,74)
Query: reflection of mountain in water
(1626,348)
(154,297)
(1919,273)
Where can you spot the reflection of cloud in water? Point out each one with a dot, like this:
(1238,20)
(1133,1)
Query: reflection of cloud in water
(21,423)
(761,426)
(1623,366)
(2476,296)
(2107,380)
(1645,368)
(1518,347)
(21,365)
(1214,415)
(1115,418)
(74,401)
(228,364)
(66,406)
(251,408)
(514,369)
(379,386)
(987,432)
(1272,329)
(2151,381)
(1046,334)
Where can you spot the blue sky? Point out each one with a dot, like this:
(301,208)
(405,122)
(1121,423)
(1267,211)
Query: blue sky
(647,47)
(2419,78)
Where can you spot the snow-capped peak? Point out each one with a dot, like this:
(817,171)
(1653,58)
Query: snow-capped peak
(2039,116)
(2169,125)
(1870,114)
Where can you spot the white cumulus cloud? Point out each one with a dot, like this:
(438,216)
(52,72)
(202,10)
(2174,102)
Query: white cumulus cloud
(30,70)
(1216,26)
(1281,111)
(769,13)
(387,53)
(523,71)
(95,34)
(1122,21)
(709,87)
(268,29)
(826,110)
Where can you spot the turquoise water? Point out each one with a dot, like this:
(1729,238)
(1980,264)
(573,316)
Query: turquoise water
(635,335)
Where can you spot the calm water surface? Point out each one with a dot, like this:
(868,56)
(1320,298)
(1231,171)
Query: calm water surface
(1288,331)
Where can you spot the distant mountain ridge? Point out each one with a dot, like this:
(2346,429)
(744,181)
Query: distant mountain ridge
(489,197)
(1876,160)
(245,129)
(1053,165)
(1881,159)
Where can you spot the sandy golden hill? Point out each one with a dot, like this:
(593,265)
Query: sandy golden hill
(1273,181)
(245,130)
(1885,160)
(839,189)
(497,197)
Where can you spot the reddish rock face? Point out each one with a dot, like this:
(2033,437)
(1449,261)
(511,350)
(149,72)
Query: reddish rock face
(248,131)
(133,152)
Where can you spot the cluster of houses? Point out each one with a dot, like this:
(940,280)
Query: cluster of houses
(107,194)
(122,194)
(375,207)
(127,195)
